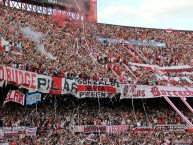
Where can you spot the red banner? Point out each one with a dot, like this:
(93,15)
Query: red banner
(91,88)
(1,47)
(102,128)
(56,85)
(96,89)
(94,129)
(15,96)
(144,129)
(11,135)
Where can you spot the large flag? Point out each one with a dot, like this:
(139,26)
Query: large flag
(15,96)
(33,98)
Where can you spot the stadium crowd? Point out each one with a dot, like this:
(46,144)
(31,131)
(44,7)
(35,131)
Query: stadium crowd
(72,48)
(70,112)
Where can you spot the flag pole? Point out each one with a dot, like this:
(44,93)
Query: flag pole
(55,106)
(36,107)
(3,95)
(78,116)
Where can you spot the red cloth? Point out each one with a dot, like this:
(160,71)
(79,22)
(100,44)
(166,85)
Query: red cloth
(1,48)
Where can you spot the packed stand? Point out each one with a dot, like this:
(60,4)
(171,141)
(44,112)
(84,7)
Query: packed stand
(72,48)
(64,113)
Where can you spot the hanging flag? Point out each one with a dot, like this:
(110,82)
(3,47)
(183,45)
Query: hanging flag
(15,96)
(31,131)
(33,98)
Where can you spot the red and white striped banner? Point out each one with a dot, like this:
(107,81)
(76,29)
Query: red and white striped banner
(181,68)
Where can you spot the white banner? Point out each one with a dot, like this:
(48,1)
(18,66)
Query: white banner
(171,127)
(79,128)
(117,128)
(144,91)
(182,68)
(69,86)
(87,88)
(1,83)
(31,131)
(102,128)
(95,95)
(44,83)
(1,134)
(2,75)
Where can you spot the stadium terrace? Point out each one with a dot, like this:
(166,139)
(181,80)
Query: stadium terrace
(67,80)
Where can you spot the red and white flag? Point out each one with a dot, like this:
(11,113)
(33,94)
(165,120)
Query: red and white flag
(31,131)
(1,43)
(15,96)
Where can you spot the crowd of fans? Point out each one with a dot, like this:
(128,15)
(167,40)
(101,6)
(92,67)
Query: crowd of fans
(76,51)
(73,49)
(67,112)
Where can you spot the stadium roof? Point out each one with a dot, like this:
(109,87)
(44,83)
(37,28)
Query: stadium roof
(62,4)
